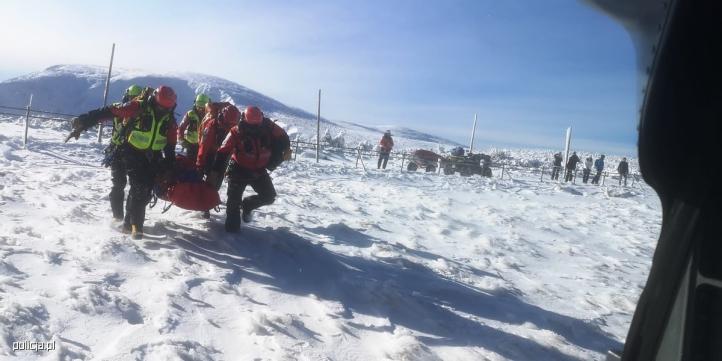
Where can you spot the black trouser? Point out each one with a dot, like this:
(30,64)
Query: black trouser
(623,175)
(570,175)
(555,172)
(595,180)
(585,178)
(142,167)
(191,151)
(238,179)
(119,177)
(383,157)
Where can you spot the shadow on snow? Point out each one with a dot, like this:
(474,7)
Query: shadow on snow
(406,293)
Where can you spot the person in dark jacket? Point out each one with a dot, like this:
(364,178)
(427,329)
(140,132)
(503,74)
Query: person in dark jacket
(255,145)
(599,166)
(623,170)
(148,147)
(587,169)
(571,166)
(114,159)
(557,165)
(385,146)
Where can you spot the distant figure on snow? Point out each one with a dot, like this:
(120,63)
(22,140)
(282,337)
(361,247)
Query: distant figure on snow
(386,144)
(571,166)
(599,166)
(557,165)
(623,170)
(587,169)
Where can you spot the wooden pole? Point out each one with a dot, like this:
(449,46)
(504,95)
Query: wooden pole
(318,127)
(27,122)
(403,158)
(295,154)
(541,178)
(105,93)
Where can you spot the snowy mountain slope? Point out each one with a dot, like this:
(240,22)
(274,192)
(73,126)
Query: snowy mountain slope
(76,88)
(346,265)
(73,89)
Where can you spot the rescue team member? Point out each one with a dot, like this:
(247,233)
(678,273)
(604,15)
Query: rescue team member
(148,148)
(255,146)
(190,125)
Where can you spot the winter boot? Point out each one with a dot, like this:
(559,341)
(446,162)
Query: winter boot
(136,233)
(206,214)
(233,225)
(247,216)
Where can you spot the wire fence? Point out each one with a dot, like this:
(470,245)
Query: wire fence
(361,154)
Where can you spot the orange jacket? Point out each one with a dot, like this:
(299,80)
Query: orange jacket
(387,143)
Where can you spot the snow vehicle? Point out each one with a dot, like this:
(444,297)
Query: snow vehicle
(679,313)
(422,158)
(467,165)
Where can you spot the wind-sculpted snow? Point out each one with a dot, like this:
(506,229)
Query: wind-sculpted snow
(347,264)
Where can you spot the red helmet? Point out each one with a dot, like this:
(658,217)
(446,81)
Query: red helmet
(165,96)
(230,115)
(253,115)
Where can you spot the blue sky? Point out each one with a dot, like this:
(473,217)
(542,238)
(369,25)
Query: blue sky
(528,68)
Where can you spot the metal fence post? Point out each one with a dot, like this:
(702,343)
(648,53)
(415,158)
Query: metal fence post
(27,121)
(604,177)
(358,156)
(541,178)
(403,158)
(295,154)
(503,168)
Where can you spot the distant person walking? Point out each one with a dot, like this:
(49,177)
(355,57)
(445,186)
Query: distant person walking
(385,146)
(623,170)
(599,166)
(587,169)
(571,166)
(557,165)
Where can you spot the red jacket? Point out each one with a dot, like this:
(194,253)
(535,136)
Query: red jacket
(387,143)
(211,136)
(218,121)
(256,148)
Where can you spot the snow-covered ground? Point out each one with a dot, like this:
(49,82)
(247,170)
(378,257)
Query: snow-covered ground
(346,265)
